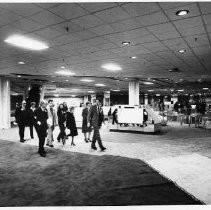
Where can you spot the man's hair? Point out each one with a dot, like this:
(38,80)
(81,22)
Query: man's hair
(50,100)
(43,102)
(87,103)
(33,103)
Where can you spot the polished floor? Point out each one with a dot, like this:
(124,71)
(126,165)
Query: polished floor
(180,153)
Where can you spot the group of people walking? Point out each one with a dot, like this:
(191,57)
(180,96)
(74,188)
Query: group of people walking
(46,117)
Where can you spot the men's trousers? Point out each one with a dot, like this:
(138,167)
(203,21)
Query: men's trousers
(96,137)
(21,131)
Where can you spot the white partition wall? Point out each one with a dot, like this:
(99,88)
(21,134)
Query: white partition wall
(5,103)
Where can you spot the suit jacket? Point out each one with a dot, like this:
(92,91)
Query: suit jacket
(95,117)
(31,116)
(52,118)
(42,117)
(21,116)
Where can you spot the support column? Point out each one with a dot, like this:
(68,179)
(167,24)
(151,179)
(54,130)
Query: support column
(86,99)
(134,93)
(42,92)
(146,101)
(106,99)
(5,108)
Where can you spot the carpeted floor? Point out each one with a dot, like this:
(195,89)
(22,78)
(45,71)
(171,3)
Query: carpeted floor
(74,179)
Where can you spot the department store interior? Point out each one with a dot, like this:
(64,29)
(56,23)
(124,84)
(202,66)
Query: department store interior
(134,57)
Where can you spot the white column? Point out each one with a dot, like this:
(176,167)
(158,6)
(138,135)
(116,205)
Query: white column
(106,98)
(5,108)
(134,93)
(93,97)
(42,93)
(146,101)
(86,99)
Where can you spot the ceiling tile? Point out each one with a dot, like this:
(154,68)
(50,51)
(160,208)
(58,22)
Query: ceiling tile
(205,7)
(67,27)
(83,35)
(193,31)
(203,50)
(193,11)
(169,35)
(152,19)
(155,46)
(47,5)
(46,18)
(188,23)
(23,9)
(48,33)
(196,41)
(7,17)
(174,42)
(88,21)
(27,25)
(162,28)
(144,39)
(112,15)
(207,19)
(94,7)
(69,10)
(169,5)
(141,8)
(102,30)
(107,46)
(125,25)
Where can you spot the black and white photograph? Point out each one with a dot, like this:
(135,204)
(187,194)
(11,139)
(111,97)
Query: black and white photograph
(105,104)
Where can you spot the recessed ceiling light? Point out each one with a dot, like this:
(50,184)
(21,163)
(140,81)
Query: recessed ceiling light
(133,57)
(148,83)
(116,90)
(91,91)
(150,90)
(87,80)
(26,42)
(111,67)
(205,88)
(182,51)
(75,89)
(125,43)
(62,67)
(180,90)
(19,76)
(56,95)
(172,90)
(21,62)
(67,73)
(52,81)
(157,94)
(66,80)
(100,85)
(182,12)
(73,95)
(126,78)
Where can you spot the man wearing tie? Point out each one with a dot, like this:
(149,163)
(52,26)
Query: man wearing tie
(95,119)
(52,122)
(41,116)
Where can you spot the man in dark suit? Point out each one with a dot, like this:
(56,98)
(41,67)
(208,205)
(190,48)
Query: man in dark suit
(41,116)
(32,121)
(95,119)
(21,117)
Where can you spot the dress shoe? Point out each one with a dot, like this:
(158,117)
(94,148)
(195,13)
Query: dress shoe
(89,140)
(102,149)
(86,140)
(95,148)
(47,144)
(42,154)
(22,140)
(63,141)
(51,145)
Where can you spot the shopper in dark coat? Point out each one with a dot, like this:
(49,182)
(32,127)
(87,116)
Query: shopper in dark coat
(114,114)
(61,113)
(22,118)
(41,116)
(85,129)
(71,124)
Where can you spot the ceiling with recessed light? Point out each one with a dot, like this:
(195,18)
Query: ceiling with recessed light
(147,41)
